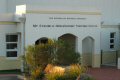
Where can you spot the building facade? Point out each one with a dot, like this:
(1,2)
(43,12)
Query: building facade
(90,26)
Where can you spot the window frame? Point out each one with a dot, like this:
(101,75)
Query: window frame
(10,50)
(112,38)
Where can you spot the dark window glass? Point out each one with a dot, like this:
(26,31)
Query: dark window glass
(11,38)
(112,35)
(111,46)
(12,54)
(111,40)
(11,46)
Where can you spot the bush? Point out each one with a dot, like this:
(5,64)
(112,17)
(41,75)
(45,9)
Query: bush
(54,72)
(37,74)
(67,55)
(37,57)
(74,71)
(68,73)
(54,52)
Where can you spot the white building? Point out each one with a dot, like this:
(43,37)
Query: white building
(92,27)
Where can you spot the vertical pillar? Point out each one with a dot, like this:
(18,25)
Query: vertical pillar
(21,29)
(76,44)
(79,47)
(96,55)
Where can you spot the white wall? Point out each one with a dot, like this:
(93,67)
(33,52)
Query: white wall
(3,6)
(88,51)
(20,30)
(110,8)
(105,37)
(4,29)
(32,34)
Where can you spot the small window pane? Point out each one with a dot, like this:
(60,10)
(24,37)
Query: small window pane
(12,46)
(111,40)
(11,38)
(111,46)
(112,35)
(12,54)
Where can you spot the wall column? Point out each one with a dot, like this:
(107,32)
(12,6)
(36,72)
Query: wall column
(96,55)
(79,46)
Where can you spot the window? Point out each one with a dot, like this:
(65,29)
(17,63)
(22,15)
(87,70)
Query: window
(11,45)
(112,40)
(112,35)
(111,46)
(11,38)
(12,54)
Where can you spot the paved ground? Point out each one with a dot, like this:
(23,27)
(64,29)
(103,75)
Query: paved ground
(10,77)
(97,73)
(105,73)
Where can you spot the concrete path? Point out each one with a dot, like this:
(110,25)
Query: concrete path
(11,77)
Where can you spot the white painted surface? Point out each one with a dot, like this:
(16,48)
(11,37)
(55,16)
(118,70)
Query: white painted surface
(105,37)
(7,17)
(110,9)
(32,34)
(20,30)
(5,29)
(3,6)
(87,51)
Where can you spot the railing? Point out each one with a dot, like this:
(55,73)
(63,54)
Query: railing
(109,58)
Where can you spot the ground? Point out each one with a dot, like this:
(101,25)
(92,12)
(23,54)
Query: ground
(10,77)
(97,73)
(104,73)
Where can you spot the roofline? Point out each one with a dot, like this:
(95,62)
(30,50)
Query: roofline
(62,12)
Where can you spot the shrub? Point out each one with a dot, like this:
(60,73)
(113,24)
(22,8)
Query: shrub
(55,52)
(74,71)
(48,68)
(59,73)
(37,73)
(54,76)
(37,57)
(67,55)
(54,72)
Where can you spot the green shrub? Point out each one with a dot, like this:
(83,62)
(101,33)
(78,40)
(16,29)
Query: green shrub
(67,55)
(74,71)
(37,57)
(53,52)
